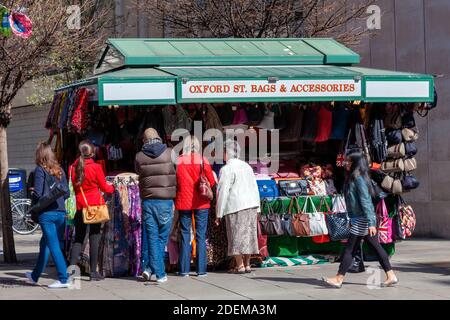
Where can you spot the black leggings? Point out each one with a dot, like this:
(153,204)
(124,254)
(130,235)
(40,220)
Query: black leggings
(80,235)
(352,246)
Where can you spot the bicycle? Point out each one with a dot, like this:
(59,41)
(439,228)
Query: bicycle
(22,223)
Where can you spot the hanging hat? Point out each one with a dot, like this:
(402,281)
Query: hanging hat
(5,27)
(21,25)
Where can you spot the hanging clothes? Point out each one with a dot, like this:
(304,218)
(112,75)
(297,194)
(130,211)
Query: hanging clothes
(135,232)
(324,124)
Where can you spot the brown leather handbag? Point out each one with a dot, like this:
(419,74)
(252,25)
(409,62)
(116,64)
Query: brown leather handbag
(95,214)
(397,151)
(389,166)
(300,220)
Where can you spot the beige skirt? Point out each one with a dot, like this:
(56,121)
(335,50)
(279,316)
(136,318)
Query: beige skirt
(242,232)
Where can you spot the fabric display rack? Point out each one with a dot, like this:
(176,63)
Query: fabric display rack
(316,102)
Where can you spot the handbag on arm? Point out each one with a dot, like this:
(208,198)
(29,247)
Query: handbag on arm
(94,214)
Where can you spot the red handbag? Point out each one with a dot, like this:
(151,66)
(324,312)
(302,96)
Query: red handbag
(323,238)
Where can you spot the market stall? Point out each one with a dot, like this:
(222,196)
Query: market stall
(306,95)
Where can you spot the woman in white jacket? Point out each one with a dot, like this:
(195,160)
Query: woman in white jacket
(239,203)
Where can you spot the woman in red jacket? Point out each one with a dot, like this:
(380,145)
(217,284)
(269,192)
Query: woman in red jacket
(189,200)
(88,178)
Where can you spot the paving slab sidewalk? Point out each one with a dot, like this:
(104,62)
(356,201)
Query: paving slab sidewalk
(422,265)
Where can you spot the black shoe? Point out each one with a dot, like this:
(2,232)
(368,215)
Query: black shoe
(95,276)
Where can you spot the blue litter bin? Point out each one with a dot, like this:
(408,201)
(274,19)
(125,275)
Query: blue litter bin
(17,183)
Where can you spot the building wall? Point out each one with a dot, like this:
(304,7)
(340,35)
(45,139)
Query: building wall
(415,37)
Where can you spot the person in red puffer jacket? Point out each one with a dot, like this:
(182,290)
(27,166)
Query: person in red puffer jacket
(88,176)
(189,200)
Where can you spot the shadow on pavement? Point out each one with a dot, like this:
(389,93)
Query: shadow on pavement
(429,267)
(6,282)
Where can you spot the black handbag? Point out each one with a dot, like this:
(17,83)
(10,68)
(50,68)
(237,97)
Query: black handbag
(292,188)
(378,191)
(57,190)
(410,149)
(225,114)
(255,114)
(408,120)
(394,137)
(409,182)
(280,117)
(338,225)
(271,222)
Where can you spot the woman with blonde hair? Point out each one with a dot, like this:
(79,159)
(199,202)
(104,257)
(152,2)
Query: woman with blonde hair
(52,220)
(191,203)
(88,180)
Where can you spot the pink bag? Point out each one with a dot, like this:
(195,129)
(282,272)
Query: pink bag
(240,116)
(384,223)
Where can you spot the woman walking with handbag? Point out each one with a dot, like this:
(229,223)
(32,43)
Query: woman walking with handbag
(194,194)
(88,180)
(358,190)
(238,201)
(49,176)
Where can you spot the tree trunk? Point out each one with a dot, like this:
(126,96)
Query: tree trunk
(9,250)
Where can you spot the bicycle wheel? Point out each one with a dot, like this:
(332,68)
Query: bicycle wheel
(22,223)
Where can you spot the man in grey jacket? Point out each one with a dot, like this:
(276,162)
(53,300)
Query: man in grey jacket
(157,184)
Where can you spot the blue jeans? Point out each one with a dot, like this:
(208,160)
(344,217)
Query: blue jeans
(158,217)
(201,224)
(52,225)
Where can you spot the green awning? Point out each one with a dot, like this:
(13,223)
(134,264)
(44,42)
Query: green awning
(136,87)
(227,52)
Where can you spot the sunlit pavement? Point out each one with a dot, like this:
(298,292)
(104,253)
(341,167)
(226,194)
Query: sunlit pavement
(422,266)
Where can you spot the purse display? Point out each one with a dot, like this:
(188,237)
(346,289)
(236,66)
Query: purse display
(397,151)
(384,223)
(393,120)
(392,185)
(255,114)
(410,149)
(408,120)
(410,182)
(317,222)
(394,137)
(291,188)
(407,219)
(410,164)
(270,222)
(338,204)
(410,134)
(338,225)
(95,214)
(267,189)
(390,166)
(300,220)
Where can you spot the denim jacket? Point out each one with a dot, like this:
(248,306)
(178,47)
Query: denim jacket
(359,202)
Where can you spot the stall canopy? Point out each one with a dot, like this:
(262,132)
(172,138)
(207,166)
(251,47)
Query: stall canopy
(170,71)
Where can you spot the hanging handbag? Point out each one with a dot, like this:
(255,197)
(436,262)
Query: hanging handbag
(407,217)
(300,220)
(325,238)
(397,165)
(384,223)
(397,151)
(309,125)
(393,120)
(255,114)
(286,219)
(280,117)
(379,193)
(317,223)
(94,214)
(410,164)
(262,241)
(338,204)
(331,189)
(324,124)
(291,188)
(270,222)
(71,203)
(410,149)
(410,182)
(410,134)
(408,120)
(204,187)
(226,114)
(392,185)
(240,116)
(394,137)
(267,189)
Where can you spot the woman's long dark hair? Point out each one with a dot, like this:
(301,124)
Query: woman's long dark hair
(359,168)
(87,151)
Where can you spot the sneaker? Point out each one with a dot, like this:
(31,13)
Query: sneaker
(162,280)
(30,278)
(183,275)
(203,275)
(58,285)
(146,275)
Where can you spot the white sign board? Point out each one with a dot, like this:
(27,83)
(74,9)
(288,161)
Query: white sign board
(138,91)
(222,89)
(397,89)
